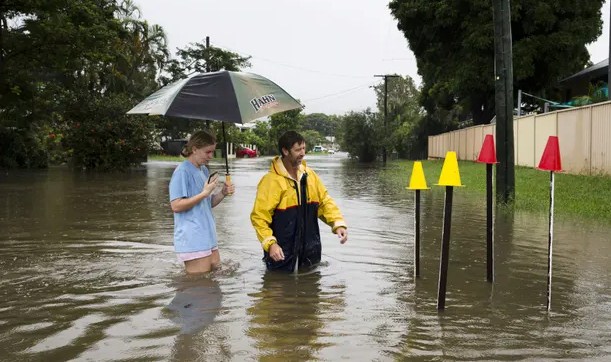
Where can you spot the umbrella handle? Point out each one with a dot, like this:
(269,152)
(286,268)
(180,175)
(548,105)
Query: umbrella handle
(228,181)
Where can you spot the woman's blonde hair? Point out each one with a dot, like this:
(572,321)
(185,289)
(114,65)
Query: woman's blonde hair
(198,139)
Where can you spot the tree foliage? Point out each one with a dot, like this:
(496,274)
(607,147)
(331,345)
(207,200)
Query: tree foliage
(403,113)
(47,47)
(453,42)
(324,124)
(199,58)
(69,67)
(359,135)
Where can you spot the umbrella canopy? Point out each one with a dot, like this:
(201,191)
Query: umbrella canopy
(227,96)
(235,97)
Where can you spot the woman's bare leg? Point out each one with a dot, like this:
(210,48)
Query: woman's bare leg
(198,266)
(203,265)
(216,259)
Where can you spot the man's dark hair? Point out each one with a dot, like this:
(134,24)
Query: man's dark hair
(288,139)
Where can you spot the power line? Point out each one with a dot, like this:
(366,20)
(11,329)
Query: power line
(295,67)
(340,92)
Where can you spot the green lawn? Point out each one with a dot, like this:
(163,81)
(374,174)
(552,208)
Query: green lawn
(575,195)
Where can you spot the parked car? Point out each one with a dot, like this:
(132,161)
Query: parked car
(319,149)
(245,152)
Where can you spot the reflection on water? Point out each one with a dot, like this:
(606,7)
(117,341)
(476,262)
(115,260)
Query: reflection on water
(88,273)
(286,316)
(197,302)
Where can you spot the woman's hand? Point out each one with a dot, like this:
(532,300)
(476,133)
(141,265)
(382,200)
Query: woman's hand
(228,189)
(209,186)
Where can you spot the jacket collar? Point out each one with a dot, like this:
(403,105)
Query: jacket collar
(278,168)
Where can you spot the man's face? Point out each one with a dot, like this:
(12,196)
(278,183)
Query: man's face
(295,155)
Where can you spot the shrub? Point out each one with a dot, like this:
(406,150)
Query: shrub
(101,136)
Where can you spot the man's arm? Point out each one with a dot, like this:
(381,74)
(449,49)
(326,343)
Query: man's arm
(329,212)
(266,201)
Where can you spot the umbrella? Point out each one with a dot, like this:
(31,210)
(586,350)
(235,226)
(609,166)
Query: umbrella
(235,97)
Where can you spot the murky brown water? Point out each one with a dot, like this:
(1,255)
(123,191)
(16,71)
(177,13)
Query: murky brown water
(88,274)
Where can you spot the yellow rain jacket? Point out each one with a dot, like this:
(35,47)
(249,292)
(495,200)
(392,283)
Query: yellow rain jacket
(286,212)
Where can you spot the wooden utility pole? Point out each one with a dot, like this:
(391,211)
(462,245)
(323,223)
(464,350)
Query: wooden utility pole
(386,76)
(503,96)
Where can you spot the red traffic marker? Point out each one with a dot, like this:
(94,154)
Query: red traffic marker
(487,154)
(550,161)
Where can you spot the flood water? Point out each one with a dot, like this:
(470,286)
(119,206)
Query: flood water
(88,273)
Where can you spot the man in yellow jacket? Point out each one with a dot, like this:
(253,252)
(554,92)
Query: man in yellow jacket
(290,199)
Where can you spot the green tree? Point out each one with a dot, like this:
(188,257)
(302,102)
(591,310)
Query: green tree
(196,58)
(403,112)
(324,124)
(68,66)
(110,140)
(199,58)
(268,146)
(141,54)
(453,42)
(360,135)
(282,122)
(312,138)
(49,52)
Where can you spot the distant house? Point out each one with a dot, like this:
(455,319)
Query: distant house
(579,83)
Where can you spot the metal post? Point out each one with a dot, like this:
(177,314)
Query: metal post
(445,250)
(417,231)
(489,227)
(550,240)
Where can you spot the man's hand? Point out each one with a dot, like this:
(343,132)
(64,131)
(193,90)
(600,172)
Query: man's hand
(342,234)
(275,252)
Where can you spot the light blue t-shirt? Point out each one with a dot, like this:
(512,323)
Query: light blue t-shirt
(194,229)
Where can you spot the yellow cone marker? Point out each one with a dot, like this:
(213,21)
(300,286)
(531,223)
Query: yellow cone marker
(450,176)
(417,180)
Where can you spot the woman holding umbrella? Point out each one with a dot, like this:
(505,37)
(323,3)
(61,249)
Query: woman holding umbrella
(192,197)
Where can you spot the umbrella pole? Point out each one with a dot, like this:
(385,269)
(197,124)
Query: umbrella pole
(226,151)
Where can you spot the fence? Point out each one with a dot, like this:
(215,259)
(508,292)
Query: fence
(584,135)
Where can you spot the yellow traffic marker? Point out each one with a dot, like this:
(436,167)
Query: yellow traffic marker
(450,176)
(417,180)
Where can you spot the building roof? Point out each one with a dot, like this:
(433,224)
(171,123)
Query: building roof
(597,70)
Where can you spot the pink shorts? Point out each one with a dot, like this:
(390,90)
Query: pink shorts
(195,255)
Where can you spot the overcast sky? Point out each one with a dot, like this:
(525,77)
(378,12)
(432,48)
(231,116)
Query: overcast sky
(323,52)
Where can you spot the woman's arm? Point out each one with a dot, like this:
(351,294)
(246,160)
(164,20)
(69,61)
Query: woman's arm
(187,203)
